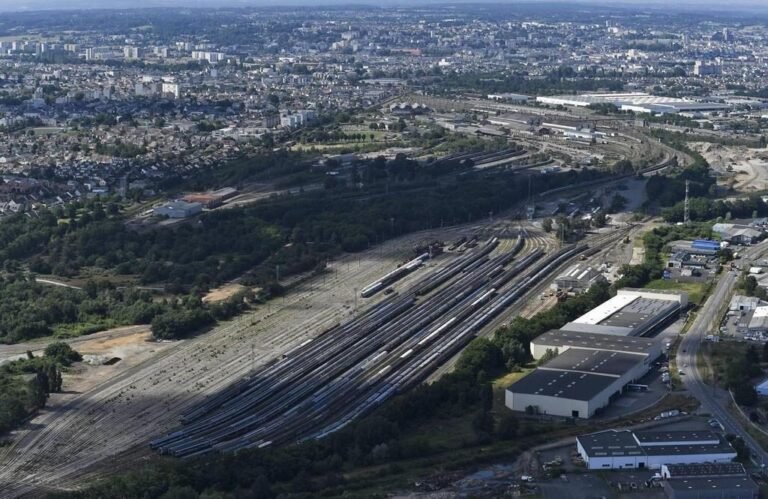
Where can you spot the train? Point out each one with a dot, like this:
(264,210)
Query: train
(395,275)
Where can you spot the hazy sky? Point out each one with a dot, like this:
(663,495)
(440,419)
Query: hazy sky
(71,4)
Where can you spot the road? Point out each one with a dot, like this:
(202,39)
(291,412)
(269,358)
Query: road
(37,345)
(716,401)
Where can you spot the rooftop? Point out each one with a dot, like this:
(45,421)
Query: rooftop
(610,443)
(719,483)
(638,312)
(564,384)
(596,341)
(705,469)
(595,361)
(654,438)
(626,443)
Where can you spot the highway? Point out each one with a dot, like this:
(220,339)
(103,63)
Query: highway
(715,400)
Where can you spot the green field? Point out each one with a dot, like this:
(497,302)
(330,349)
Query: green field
(697,291)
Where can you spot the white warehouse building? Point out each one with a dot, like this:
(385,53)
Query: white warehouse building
(622,449)
(596,356)
(577,383)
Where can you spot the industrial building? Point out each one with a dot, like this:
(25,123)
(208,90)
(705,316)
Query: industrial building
(740,303)
(578,278)
(560,340)
(210,199)
(638,102)
(577,383)
(631,312)
(178,209)
(737,234)
(622,449)
(596,356)
(708,481)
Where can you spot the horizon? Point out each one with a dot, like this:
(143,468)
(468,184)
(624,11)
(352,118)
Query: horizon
(54,5)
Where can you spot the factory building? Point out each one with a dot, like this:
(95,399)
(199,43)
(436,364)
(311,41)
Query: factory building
(178,209)
(577,383)
(737,234)
(578,278)
(596,356)
(708,481)
(638,102)
(622,449)
(559,340)
(210,199)
(631,312)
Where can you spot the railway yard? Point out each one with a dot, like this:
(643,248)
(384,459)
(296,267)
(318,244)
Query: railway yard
(337,345)
(301,366)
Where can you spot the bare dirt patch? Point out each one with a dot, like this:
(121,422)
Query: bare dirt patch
(223,293)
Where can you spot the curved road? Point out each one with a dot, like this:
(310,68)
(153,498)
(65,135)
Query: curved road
(715,400)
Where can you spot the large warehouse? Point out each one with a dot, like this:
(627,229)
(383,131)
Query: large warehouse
(708,481)
(619,449)
(596,355)
(638,102)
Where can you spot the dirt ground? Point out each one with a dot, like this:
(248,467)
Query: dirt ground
(739,167)
(131,349)
(222,293)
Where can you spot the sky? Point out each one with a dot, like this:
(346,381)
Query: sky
(9,5)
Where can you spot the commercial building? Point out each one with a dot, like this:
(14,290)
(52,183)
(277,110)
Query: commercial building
(178,209)
(210,199)
(631,312)
(741,303)
(596,356)
(737,234)
(638,102)
(578,278)
(701,68)
(708,481)
(622,449)
(577,383)
(560,340)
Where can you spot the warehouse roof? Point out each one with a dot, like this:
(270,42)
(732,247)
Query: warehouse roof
(723,447)
(610,443)
(594,341)
(705,469)
(595,361)
(639,312)
(625,443)
(563,384)
(664,437)
(719,483)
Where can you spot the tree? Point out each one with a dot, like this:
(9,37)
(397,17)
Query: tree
(61,353)
(548,355)
(547,225)
(507,427)
(483,424)
(745,394)
(750,285)
(741,448)
(765,352)
(599,220)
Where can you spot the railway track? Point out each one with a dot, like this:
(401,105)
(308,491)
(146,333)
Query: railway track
(145,398)
(355,367)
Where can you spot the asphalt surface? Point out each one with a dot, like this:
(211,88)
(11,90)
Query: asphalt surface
(713,400)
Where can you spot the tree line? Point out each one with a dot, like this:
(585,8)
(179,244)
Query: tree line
(26,383)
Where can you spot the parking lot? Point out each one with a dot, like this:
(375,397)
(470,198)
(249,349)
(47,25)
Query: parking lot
(577,486)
